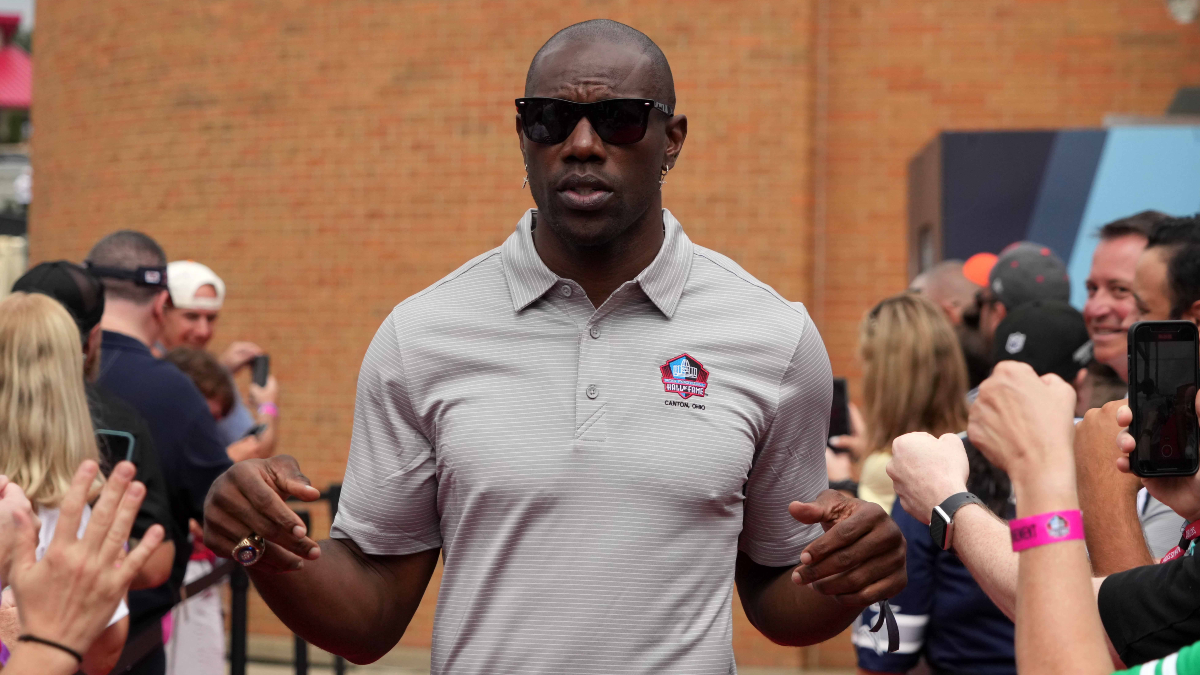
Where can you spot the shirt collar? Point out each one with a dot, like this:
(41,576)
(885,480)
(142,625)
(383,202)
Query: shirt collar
(111,340)
(662,281)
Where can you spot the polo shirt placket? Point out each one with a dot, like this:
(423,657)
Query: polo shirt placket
(592,365)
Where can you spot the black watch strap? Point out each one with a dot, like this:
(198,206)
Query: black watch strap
(955,502)
(941,521)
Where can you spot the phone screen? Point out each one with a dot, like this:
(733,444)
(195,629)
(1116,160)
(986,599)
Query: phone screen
(1162,388)
(839,416)
(261,369)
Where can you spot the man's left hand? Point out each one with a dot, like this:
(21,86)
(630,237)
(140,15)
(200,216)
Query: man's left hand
(1097,452)
(860,558)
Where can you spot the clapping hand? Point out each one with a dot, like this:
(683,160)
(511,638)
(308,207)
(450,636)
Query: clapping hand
(70,595)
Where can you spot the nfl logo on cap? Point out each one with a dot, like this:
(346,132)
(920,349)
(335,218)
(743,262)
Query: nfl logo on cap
(1016,342)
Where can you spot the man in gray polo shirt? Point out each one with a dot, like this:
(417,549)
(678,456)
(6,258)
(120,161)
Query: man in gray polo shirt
(600,425)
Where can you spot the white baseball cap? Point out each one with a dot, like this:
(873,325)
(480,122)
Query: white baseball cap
(185,277)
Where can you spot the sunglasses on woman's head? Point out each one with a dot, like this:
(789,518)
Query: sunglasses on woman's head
(617,121)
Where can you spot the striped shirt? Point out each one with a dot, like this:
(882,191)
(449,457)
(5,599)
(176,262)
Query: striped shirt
(589,474)
(1184,662)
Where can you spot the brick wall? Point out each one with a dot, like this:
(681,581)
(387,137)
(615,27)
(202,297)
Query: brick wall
(329,158)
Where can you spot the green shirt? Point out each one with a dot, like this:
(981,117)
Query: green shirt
(1186,661)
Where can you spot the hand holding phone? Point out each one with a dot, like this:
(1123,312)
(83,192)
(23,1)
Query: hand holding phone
(262,369)
(1163,379)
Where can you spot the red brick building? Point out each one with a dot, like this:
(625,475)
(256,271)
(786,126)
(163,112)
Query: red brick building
(330,158)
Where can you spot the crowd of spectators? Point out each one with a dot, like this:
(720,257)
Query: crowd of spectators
(1045,431)
(103,366)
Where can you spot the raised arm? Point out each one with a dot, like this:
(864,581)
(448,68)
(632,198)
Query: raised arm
(925,472)
(1115,541)
(1024,424)
(333,594)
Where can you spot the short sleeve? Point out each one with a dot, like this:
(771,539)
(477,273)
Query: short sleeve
(1160,525)
(1150,612)
(1185,662)
(912,606)
(790,463)
(389,497)
(205,458)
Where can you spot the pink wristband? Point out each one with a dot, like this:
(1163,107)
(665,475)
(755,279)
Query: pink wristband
(1046,528)
(268,409)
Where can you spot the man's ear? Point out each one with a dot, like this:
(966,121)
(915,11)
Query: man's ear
(952,312)
(160,304)
(1193,313)
(94,337)
(676,135)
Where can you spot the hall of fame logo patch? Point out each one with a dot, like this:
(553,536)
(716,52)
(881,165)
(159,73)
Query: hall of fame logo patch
(685,376)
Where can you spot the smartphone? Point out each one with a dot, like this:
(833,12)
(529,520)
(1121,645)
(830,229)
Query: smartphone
(1162,395)
(839,416)
(255,430)
(262,369)
(116,445)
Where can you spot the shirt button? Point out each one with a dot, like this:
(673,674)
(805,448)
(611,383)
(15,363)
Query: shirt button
(592,391)
(565,290)
(594,331)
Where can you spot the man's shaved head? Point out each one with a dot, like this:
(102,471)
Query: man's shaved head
(613,32)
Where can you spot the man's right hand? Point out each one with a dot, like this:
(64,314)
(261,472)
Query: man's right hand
(249,498)
(238,355)
(927,471)
(1181,493)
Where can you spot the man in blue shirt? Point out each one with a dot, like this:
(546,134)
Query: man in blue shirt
(133,267)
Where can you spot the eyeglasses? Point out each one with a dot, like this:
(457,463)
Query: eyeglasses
(617,121)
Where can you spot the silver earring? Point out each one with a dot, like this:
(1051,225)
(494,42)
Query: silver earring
(662,180)
(526,177)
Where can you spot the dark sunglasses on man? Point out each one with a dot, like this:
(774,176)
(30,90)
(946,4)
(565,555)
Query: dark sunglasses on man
(617,121)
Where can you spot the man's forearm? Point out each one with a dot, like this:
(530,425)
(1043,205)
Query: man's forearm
(984,544)
(347,603)
(786,613)
(157,570)
(1058,626)
(1115,542)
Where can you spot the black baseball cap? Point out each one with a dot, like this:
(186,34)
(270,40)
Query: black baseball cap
(1025,272)
(1049,335)
(73,286)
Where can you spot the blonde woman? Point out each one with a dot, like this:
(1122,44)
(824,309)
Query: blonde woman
(914,379)
(46,433)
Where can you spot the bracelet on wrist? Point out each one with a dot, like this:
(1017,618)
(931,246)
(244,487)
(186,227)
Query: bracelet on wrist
(50,643)
(268,409)
(1046,528)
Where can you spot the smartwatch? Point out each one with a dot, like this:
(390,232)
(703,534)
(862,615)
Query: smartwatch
(941,523)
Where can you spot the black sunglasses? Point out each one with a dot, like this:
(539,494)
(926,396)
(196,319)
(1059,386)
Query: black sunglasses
(617,121)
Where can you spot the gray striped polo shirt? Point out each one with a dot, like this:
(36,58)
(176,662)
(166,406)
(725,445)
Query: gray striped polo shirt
(589,474)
